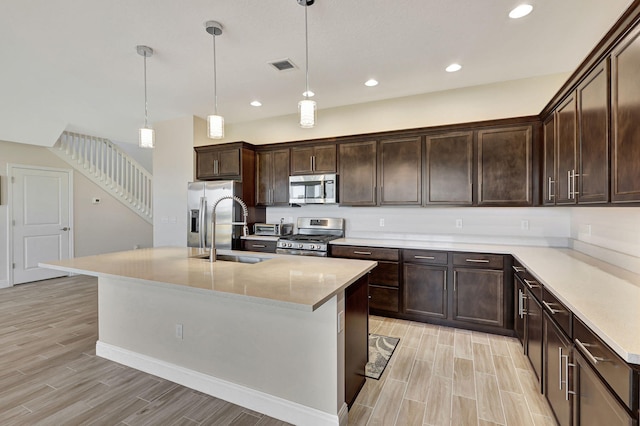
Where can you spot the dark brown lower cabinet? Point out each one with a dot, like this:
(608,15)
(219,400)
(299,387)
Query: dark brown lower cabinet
(557,359)
(356,337)
(425,290)
(266,246)
(533,349)
(594,403)
(520,315)
(478,296)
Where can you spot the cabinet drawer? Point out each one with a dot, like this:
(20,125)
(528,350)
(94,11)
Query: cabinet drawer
(614,370)
(557,311)
(259,245)
(528,280)
(479,260)
(386,273)
(425,256)
(383,298)
(369,253)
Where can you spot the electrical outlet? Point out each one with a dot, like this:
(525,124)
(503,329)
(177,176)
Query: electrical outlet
(95,200)
(381,222)
(179,331)
(459,223)
(524,224)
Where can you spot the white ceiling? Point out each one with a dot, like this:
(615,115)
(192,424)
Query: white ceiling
(72,64)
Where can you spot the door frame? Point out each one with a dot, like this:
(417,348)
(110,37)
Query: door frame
(10,194)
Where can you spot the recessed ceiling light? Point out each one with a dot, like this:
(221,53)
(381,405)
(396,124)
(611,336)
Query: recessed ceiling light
(453,68)
(256,103)
(308,94)
(520,11)
(371,82)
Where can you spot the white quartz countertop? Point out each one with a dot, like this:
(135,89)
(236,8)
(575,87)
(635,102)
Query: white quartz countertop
(295,282)
(605,297)
(260,237)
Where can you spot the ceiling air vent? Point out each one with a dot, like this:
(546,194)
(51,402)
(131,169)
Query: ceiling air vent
(283,65)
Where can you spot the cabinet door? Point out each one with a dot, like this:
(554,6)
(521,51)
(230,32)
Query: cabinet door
(504,166)
(206,164)
(356,337)
(301,160)
(625,92)
(549,185)
(264,177)
(400,171)
(228,162)
(449,169)
(324,159)
(594,404)
(593,137)
(425,290)
(557,350)
(534,334)
(566,151)
(478,296)
(358,175)
(280,183)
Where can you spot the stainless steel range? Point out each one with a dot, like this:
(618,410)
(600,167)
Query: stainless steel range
(314,234)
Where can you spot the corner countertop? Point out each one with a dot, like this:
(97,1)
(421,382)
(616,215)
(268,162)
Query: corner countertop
(294,282)
(605,297)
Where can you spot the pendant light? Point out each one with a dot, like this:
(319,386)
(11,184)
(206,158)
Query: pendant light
(306,107)
(146,135)
(215,122)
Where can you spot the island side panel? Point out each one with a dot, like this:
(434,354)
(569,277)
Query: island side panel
(287,353)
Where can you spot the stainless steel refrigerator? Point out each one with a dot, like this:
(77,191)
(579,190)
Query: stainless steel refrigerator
(201,197)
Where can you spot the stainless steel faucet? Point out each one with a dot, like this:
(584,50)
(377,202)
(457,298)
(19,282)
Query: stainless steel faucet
(245,229)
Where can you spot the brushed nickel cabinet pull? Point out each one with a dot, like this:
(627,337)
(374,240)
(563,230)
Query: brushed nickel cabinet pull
(368,253)
(477,260)
(594,359)
(549,194)
(519,268)
(566,373)
(550,308)
(531,284)
(258,245)
(569,196)
(424,257)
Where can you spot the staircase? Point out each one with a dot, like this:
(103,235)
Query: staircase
(112,169)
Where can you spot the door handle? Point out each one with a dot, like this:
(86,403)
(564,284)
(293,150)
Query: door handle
(66,228)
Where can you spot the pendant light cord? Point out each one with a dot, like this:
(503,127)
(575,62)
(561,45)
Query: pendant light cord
(306,47)
(215,86)
(146,110)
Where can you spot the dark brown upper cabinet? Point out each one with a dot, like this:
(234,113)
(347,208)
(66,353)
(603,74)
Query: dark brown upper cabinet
(449,169)
(505,166)
(218,162)
(591,182)
(358,173)
(549,186)
(272,177)
(307,160)
(566,129)
(625,105)
(400,171)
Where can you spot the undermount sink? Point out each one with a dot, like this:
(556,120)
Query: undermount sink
(239,259)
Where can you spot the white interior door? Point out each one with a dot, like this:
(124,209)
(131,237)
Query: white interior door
(41,220)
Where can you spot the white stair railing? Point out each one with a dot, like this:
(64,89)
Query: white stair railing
(108,166)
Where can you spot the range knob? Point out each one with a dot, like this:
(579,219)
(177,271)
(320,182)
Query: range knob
(312,247)
(300,246)
(289,244)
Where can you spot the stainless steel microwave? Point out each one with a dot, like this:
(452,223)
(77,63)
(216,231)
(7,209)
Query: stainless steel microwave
(313,189)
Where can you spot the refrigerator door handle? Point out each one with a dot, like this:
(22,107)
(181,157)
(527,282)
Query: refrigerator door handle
(203,225)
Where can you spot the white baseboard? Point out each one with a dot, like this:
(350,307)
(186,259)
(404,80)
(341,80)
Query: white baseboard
(343,415)
(4,284)
(261,402)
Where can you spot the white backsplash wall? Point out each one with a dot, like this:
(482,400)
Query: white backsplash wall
(529,226)
(611,234)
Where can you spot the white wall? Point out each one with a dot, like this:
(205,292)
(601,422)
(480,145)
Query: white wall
(101,228)
(546,226)
(173,164)
(500,100)
(608,233)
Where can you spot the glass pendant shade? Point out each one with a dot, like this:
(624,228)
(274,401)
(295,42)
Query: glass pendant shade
(307,109)
(215,126)
(146,137)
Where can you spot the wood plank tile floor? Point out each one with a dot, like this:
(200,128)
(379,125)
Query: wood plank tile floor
(49,374)
(446,376)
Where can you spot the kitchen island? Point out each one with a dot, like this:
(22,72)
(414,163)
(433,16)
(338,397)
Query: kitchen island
(268,336)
